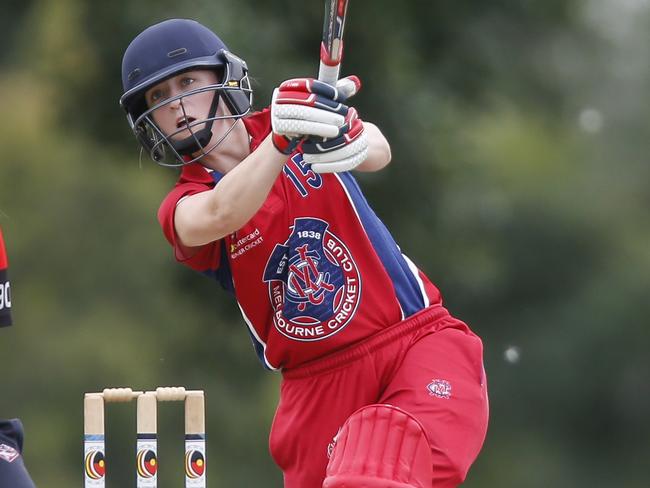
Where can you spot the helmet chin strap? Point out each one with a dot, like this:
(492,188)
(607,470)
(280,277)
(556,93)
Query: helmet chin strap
(201,138)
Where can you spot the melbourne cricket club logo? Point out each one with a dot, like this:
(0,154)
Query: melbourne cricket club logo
(440,389)
(314,284)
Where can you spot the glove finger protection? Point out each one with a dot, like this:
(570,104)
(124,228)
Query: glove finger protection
(342,153)
(304,107)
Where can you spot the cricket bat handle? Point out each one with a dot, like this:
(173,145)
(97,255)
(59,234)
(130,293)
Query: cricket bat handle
(328,70)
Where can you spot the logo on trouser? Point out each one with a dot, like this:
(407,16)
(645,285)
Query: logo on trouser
(314,283)
(332,445)
(8,453)
(440,389)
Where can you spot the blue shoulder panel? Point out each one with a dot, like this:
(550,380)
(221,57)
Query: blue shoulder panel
(407,288)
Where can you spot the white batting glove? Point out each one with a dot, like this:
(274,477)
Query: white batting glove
(342,153)
(304,107)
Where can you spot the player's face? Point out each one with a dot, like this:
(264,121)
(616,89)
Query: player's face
(171,117)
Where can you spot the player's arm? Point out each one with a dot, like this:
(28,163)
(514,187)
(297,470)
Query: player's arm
(298,110)
(379,154)
(208,216)
(356,145)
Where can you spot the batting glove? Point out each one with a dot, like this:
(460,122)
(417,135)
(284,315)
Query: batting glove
(304,107)
(342,153)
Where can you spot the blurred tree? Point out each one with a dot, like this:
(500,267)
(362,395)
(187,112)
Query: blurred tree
(519,183)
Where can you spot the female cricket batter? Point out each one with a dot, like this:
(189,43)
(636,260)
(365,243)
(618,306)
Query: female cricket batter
(381,387)
(12,469)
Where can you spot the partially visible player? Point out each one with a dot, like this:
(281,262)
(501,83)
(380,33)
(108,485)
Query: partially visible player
(381,386)
(13,473)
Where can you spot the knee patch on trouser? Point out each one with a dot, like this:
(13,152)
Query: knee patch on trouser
(380,446)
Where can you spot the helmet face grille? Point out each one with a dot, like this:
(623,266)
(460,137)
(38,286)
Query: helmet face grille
(169,149)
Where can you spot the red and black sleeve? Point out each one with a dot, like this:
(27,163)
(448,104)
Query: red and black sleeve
(5,291)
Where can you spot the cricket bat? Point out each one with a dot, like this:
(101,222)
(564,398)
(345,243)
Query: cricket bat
(331,49)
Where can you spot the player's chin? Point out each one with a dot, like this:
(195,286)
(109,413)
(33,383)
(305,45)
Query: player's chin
(222,126)
(183,133)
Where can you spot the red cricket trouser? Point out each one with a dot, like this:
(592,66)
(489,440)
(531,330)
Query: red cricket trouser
(430,365)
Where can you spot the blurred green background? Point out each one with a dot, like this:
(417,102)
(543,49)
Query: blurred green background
(520,183)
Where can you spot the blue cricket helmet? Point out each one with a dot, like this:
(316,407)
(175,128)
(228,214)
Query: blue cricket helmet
(164,50)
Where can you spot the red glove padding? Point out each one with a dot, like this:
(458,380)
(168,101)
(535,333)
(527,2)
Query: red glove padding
(314,93)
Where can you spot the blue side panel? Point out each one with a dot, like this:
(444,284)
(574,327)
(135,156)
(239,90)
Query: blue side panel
(406,285)
(222,274)
(259,350)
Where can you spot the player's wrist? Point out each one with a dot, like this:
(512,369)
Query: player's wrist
(284,144)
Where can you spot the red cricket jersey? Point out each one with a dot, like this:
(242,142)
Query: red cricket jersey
(5,290)
(314,270)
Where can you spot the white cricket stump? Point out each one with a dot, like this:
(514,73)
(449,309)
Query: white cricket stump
(147,441)
(94,442)
(195,456)
(147,435)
